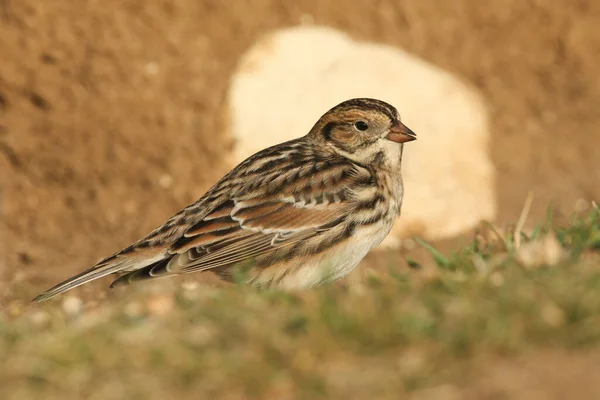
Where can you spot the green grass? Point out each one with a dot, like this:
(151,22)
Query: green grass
(402,331)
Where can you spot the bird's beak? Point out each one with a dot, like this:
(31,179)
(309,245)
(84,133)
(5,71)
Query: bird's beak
(399,133)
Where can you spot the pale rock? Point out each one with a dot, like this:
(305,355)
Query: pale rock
(151,69)
(72,306)
(165,181)
(287,80)
(160,304)
(39,318)
(544,251)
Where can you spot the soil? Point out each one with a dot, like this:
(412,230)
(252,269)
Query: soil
(112,112)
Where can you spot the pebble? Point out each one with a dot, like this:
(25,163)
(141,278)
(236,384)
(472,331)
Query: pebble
(160,304)
(72,306)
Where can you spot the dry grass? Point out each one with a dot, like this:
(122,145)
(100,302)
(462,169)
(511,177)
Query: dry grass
(456,333)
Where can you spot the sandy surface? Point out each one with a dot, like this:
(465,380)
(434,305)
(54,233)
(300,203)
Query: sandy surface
(112,112)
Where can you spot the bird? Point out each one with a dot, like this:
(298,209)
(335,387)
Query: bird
(292,216)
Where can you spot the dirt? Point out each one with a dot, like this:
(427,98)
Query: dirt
(112,113)
(541,375)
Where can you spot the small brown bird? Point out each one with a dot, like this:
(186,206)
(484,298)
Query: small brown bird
(291,216)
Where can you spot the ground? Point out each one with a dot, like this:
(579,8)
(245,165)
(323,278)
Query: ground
(486,322)
(113,114)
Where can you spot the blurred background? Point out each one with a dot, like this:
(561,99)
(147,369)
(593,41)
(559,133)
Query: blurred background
(115,114)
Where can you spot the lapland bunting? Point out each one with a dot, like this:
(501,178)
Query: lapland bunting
(291,216)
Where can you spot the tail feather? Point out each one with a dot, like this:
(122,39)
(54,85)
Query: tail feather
(151,271)
(109,266)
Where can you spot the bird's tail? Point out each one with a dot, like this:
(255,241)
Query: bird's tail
(110,265)
(106,267)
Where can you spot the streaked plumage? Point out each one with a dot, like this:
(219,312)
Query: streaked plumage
(293,215)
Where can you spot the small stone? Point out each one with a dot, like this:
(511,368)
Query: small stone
(165,181)
(72,306)
(190,291)
(151,69)
(190,285)
(543,251)
(39,318)
(160,304)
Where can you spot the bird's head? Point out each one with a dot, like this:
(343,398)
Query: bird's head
(363,130)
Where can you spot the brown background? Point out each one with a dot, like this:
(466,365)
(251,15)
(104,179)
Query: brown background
(99,100)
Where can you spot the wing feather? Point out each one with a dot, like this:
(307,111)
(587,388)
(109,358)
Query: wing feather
(260,229)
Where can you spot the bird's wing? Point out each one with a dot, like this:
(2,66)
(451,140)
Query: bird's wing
(244,231)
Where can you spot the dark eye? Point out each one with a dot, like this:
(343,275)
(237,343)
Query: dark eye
(361,125)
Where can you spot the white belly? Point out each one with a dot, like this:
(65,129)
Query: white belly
(337,262)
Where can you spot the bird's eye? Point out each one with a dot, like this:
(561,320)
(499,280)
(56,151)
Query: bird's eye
(361,125)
